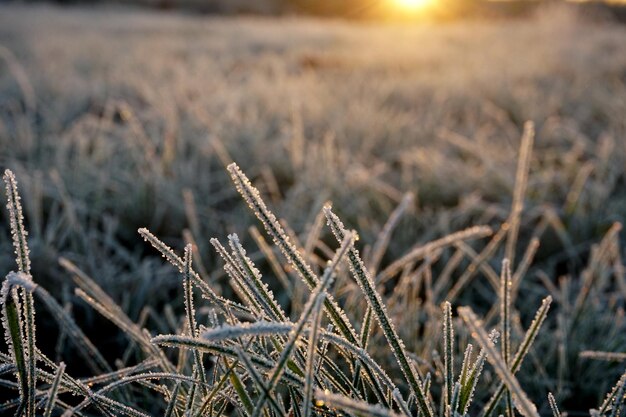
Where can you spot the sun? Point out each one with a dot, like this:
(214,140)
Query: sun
(411,5)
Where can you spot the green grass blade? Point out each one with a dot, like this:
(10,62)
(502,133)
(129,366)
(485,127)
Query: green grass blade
(13,336)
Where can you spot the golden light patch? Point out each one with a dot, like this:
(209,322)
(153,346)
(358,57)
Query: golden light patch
(411,5)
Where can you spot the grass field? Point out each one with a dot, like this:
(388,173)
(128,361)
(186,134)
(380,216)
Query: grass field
(115,119)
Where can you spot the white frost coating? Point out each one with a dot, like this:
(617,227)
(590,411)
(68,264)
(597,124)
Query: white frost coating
(261,328)
(467,356)
(609,397)
(20,279)
(18,233)
(309,374)
(523,349)
(352,405)
(6,293)
(448,360)
(252,277)
(553,406)
(27,322)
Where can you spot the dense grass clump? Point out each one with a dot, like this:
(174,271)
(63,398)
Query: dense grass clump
(244,356)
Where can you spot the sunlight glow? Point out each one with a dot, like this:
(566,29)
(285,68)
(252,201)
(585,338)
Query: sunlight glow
(411,5)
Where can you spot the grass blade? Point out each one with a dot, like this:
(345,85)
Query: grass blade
(521,353)
(54,388)
(448,343)
(521,181)
(523,403)
(325,398)
(374,300)
(309,373)
(20,244)
(553,406)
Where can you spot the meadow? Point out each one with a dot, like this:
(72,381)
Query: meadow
(456,151)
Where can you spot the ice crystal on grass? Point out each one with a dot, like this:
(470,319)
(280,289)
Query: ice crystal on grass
(21,326)
(18,232)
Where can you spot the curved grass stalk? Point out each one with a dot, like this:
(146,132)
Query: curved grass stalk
(278,328)
(217,349)
(121,373)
